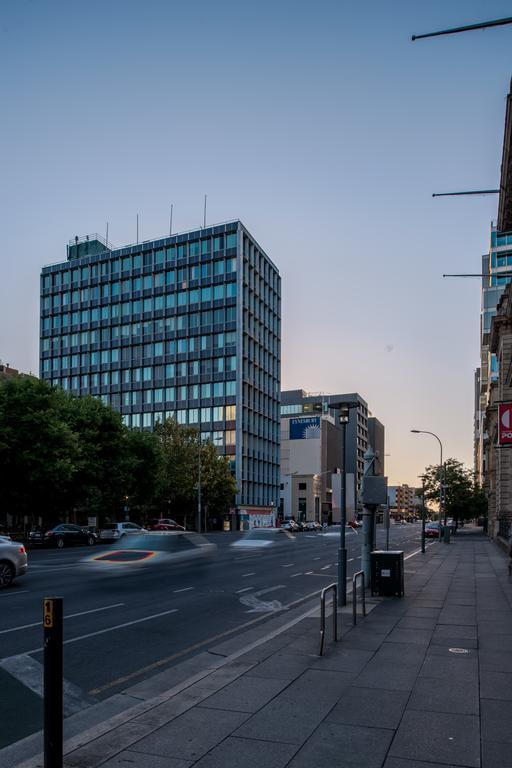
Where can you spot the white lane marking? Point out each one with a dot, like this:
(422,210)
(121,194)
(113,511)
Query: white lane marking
(350,559)
(269,589)
(256,605)
(245,589)
(184,589)
(294,575)
(253,573)
(324,567)
(316,558)
(109,629)
(15,594)
(308,573)
(417,551)
(69,616)
(288,565)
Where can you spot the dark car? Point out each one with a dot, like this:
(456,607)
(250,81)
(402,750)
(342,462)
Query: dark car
(164,524)
(62,535)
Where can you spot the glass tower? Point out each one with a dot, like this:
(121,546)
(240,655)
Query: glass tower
(187,326)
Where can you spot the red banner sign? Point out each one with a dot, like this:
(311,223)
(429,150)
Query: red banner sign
(505,424)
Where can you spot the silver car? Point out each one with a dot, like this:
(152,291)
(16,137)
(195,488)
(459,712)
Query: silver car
(115,531)
(13,561)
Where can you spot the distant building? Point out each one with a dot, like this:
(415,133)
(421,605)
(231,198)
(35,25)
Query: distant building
(6,371)
(402,501)
(311,457)
(296,402)
(376,442)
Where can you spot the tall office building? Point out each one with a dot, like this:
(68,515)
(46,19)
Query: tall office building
(186,326)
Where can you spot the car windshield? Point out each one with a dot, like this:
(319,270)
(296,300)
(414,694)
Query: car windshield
(266,534)
(158,542)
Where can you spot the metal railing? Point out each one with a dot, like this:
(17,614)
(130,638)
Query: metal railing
(354,595)
(324,592)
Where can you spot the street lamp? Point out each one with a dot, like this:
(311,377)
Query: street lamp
(422,478)
(199,500)
(343,418)
(441,474)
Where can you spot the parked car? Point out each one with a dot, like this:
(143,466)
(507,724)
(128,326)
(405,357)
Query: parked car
(13,561)
(146,549)
(432,530)
(61,535)
(114,531)
(164,524)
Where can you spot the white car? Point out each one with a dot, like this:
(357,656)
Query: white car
(13,561)
(115,531)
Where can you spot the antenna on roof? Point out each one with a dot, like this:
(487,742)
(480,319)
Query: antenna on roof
(204,216)
(137,229)
(106,238)
(170,222)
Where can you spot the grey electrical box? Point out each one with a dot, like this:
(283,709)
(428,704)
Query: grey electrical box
(374,490)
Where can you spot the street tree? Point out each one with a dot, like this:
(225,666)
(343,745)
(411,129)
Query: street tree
(463,497)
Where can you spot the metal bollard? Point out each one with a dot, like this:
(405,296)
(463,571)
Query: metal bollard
(354,595)
(334,589)
(53,679)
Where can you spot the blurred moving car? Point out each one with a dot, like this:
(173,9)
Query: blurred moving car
(312,526)
(432,530)
(261,538)
(114,531)
(163,524)
(13,561)
(151,549)
(61,535)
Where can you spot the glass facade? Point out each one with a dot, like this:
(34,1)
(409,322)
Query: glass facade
(187,327)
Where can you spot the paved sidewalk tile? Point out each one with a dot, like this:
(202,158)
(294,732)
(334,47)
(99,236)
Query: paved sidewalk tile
(130,759)
(432,695)
(495,685)
(235,752)
(397,762)
(447,739)
(496,722)
(191,735)
(342,659)
(293,715)
(369,707)
(344,745)
(248,694)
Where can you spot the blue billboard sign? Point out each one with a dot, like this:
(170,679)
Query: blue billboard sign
(305,429)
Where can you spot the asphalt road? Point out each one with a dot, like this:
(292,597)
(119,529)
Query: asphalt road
(120,630)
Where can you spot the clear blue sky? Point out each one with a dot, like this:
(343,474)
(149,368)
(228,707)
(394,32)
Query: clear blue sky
(321,126)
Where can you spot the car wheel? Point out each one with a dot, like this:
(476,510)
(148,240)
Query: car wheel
(59,543)
(91,541)
(7,574)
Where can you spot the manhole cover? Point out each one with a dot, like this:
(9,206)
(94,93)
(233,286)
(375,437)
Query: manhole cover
(458,650)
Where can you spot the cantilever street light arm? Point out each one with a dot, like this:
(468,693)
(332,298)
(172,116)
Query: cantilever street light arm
(468,28)
(470,192)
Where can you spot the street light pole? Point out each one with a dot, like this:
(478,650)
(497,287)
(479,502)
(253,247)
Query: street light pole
(422,477)
(441,475)
(342,552)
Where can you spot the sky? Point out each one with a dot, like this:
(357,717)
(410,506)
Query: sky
(321,126)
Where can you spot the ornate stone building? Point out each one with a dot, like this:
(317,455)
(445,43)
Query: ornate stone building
(498,458)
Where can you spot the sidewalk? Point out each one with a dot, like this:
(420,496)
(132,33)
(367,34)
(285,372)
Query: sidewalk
(422,682)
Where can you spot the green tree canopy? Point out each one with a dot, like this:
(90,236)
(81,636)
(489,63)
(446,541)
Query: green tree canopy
(464,499)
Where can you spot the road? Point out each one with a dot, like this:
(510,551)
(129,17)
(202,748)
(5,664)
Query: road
(120,630)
